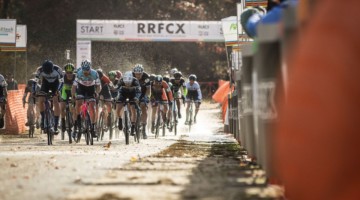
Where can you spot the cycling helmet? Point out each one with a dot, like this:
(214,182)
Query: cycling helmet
(69,67)
(192,77)
(48,66)
(128,77)
(173,71)
(118,74)
(177,75)
(166,79)
(158,78)
(152,77)
(112,74)
(100,72)
(86,65)
(138,68)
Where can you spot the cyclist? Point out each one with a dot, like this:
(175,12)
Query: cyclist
(129,88)
(169,113)
(144,80)
(113,76)
(86,84)
(31,100)
(105,94)
(172,72)
(160,91)
(193,93)
(51,76)
(68,81)
(152,77)
(177,83)
(3,99)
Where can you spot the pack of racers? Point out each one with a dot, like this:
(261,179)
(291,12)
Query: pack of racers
(84,82)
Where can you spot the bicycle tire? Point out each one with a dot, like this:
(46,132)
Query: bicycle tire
(101,126)
(48,126)
(137,128)
(175,121)
(110,126)
(126,127)
(163,129)
(190,115)
(69,123)
(157,127)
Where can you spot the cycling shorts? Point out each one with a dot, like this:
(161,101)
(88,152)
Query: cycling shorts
(85,91)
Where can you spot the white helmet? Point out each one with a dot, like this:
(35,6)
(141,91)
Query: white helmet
(173,71)
(128,77)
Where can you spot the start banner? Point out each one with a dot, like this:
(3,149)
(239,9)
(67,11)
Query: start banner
(156,31)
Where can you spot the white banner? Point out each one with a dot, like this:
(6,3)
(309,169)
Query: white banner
(83,51)
(7,31)
(21,36)
(156,31)
(230,29)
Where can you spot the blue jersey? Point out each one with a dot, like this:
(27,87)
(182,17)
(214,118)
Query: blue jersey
(90,80)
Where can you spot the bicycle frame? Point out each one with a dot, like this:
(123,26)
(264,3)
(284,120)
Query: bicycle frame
(127,121)
(85,122)
(49,117)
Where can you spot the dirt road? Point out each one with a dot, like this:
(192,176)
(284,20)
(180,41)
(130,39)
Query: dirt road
(203,164)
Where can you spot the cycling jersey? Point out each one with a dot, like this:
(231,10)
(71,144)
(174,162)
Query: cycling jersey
(31,87)
(55,75)
(161,92)
(144,82)
(68,81)
(130,92)
(176,85)
(194,92)
(90,80)
(105,87)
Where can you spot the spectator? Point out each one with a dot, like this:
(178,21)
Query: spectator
(12,83)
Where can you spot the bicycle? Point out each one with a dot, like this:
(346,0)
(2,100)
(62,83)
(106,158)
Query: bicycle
(127,122)
(49,117)
(159,119)
(85,124)
(68,120)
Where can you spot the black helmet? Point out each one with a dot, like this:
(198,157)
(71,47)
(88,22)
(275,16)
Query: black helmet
(166,79)
(158,78)
(178,75)
(152,77)
(192,77)
(100,72)
(47,66)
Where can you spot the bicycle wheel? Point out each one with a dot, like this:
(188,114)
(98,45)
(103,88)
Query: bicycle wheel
(157,126)
(89,138)
(190,116)
(110,126)
(69,124)
(175,122)
(126,127)
(100,127)
(163,129)
(137,128)
(31,126)
(48,126)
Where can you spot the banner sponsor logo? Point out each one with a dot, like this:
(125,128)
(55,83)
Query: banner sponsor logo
(171,28)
